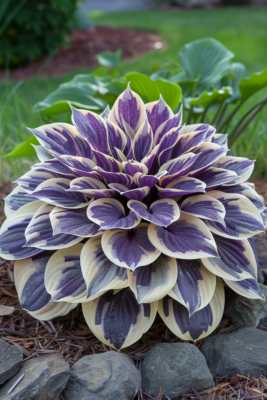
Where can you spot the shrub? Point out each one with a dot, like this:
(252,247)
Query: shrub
(32,29)
(129,213)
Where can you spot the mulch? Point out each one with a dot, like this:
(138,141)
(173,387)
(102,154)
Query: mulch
(84,45)
(71,337)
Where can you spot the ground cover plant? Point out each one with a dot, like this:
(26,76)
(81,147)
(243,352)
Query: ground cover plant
(129,213)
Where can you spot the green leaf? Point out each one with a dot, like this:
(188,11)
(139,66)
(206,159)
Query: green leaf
(79,92)
(205,60)
(24,149)
(206,99)
(109,59)
(238,70)
(151,90)
(252,84)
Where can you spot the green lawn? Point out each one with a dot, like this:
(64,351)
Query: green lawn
(242,30)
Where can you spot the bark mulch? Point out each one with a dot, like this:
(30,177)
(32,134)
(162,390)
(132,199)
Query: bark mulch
(84,45)
(70,336)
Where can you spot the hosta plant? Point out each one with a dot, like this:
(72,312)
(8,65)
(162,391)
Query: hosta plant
(129,213)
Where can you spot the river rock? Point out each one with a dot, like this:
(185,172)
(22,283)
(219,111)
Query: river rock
(261,248)
(44,378)
(248,312)
(175,368)
(10,360)
(105,376)
(242,352)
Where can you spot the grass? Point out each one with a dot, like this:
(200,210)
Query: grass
(242,30)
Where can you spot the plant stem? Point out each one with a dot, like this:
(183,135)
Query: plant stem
(222,115)
(230,116)
(217,114)
(246,123)
(189,115)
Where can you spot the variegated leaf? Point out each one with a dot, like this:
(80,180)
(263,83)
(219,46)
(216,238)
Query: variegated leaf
(64,280)
(99,272)
(158,112)
(248,288)
(180,187)
(201,324)
(56,166)
(110,214)
(248,191)
(91,187)
(173,122)
(207,153)
(107,163)
(116,138)
(241,166)
(242,219)
(33,178)
(154,281)
(214,177)
(15,200)
(142,143)
(133,194)
(39,232)
(12,233)
(33,296)
(221,139)
(187,142)
(129,249)
(188,238)
(129,318)
(161,212)
(205,207)
(73,222)
(131,168)
(177,168)
(166,145)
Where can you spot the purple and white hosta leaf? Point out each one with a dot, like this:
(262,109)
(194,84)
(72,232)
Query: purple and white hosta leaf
(92,128)
(120,156)
(131,168)
(214,177)
(132,194)
(105,113)
(99,272)
(107,163)
(42,154)
(264,218)
(56,166)
(142,180)
(74,222)
(194,286)
(129,318)
(151,160)
(39,232)
(208,153)
(15,200)
(61,139)
(55,191)
(130,108)
(210,133)
(236,260)
(117,177)
(201,324)
(187,142)
(154,281)
(79,165)
(33,296)
(161,212)
(194,128)
(116,138)
(64,280)
(129,249)
(173,122)
(33,178)
(248,288)
(205,207)
(12,233)
(180,187)
(91,187)
(157,113)
(110,214)
(166,145)
(142,143)
(241,166)
(176,168)
(221,139)
(248,191)
(188,238)
(242,219)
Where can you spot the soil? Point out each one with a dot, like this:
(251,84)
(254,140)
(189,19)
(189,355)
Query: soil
(84,45)
(70,335)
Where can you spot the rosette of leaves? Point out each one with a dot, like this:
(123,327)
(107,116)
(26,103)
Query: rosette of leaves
(129,213)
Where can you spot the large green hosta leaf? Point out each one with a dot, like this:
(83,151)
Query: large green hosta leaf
(252,84)
(109,59)
(205,61)
(151,90)
(206,99)
(24,149)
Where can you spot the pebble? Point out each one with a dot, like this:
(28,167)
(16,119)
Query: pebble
(10,360)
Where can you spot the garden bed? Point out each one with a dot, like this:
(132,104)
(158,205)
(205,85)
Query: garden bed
(84,45)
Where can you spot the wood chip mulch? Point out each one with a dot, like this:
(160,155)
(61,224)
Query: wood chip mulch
(84,45)
(71,337)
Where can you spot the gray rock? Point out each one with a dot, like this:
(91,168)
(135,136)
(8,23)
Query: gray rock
(241,352)
(252,314)
(10,360)
(44,379)
(175,368)
(261,248)
(105,376)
